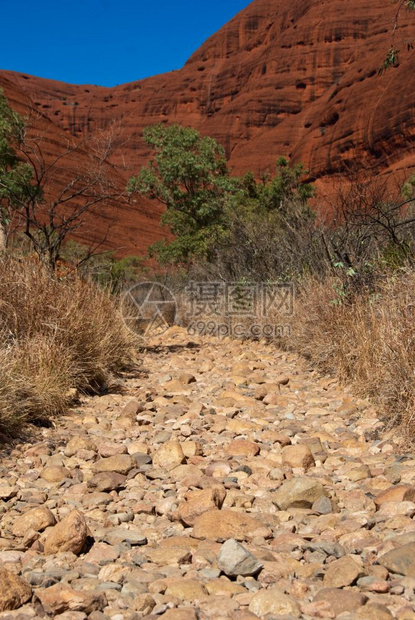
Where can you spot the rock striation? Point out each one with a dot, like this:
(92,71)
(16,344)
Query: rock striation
(283,77)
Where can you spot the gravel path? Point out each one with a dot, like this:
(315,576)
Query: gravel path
(228,481)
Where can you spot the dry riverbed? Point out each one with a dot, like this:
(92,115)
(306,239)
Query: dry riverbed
(228,481)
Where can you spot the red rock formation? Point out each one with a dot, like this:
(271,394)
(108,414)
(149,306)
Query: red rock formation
(126,226)
(284,77)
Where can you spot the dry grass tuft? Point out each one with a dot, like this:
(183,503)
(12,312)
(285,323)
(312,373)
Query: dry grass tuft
(367,338)
(54,336)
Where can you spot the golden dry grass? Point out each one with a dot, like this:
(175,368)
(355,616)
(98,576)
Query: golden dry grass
(54,336)
(367,339)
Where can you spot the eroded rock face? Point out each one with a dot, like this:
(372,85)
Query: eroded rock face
(133,225)
(276,80)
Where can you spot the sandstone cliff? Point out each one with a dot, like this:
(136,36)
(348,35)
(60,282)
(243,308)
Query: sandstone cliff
(284,77)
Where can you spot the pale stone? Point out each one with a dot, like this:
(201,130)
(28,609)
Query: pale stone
(394,509)
(224,587)
(218,469)
(374,611)
(170,556)
(243,447)
(244,614)
(274,601)
(131,535)
(341,600)
(55,474)
(343,572)
(187,590)
(192,448)
(106,481)
(217,607)
(235,560)
(106,449)
(298,493)
(119,463)
(400,493)
(78,443)
(144,603)
(400,560)
(7,491)
(102,554)
(180,614)
(169,455)
(359,473)
(61,597)
(318,609)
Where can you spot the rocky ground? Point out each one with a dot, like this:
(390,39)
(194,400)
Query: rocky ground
(228,481)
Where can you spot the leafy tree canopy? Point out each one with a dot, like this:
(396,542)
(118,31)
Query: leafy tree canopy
(188,174)
(278,193)
(15,175)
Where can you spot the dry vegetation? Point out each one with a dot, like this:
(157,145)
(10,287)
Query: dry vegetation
(54,336)
(367,338)
(355,281)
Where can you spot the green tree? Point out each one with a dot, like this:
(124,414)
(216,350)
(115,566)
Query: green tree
(15,175)
(281,199)
(281,192)
(104,268)
(188,174)
(270,225)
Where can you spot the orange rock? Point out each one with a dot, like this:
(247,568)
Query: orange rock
(69,534)
(37,519)
(298,455)
(14,591)
(198,502)
(400,493)
(242,447)
(223,524)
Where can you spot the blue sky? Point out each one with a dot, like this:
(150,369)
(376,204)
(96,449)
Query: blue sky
(106,42)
